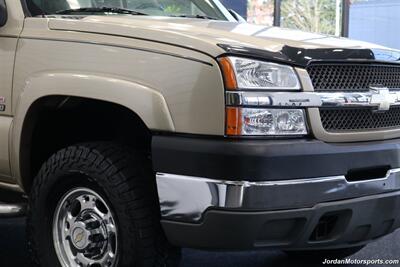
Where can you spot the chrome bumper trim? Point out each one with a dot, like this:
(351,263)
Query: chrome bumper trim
(186,198)
(380,99)
(12,210)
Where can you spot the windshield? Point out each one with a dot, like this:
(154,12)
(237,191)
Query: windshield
(181,8)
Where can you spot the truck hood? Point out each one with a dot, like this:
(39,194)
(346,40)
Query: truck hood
(218,37)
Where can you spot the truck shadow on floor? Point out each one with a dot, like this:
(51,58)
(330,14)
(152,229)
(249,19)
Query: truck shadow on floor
(14,252)
(192,258)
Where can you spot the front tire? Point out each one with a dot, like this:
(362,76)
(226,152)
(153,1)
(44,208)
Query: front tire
(96,205)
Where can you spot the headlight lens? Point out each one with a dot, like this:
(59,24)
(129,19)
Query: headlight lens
(243,119)
(254,121)
(255,74)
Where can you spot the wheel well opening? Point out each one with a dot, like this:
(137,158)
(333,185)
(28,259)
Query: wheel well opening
(55,122)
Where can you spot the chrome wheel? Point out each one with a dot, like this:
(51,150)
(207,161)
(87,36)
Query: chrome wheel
(84,230)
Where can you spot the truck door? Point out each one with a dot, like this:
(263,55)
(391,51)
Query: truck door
(9,33)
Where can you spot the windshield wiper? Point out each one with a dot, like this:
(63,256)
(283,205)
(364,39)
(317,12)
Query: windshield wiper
(116,10)
(194,16)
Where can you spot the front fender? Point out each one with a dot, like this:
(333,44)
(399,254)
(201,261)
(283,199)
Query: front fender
(146,102)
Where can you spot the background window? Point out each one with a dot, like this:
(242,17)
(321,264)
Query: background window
(260,12)
(321,16)
(375,21)
(240,6)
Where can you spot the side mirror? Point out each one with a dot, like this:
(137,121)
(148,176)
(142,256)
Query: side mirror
(3,13)
(237,16)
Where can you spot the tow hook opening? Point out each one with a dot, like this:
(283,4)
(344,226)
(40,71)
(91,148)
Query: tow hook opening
(371,173)
(330,226)
(324,228)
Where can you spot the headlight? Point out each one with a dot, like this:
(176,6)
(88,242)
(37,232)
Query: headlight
(257,121)
(242,118)
(243,73)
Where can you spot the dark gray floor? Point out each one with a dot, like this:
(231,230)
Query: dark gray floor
(13,252)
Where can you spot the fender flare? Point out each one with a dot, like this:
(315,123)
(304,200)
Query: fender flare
(146,102)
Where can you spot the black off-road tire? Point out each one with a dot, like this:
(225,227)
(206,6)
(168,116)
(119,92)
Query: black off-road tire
(125,179)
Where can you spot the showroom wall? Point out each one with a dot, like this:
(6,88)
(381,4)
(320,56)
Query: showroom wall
(367,20)
(376,21)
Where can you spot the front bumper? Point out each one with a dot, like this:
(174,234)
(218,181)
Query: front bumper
(291,194)
(330,225)
(186,199)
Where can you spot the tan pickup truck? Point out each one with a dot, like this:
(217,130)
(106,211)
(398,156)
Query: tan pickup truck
(136,127)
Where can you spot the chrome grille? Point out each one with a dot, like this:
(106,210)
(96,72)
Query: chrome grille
(361,119)
(353,77)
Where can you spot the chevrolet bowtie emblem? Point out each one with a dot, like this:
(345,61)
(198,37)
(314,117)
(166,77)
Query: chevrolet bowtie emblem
(79,237)
(381,97)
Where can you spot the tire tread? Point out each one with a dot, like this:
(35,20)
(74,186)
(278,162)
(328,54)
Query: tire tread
(131,188)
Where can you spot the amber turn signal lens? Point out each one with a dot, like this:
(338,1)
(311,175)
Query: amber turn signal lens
(233,121)
(228,73)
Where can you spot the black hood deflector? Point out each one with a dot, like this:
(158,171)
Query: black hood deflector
(303,57)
